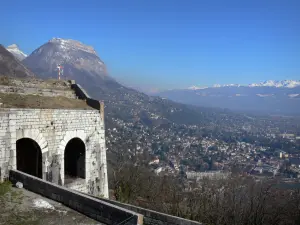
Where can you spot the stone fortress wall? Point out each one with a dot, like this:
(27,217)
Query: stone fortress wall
(52,130)
(36,91)
(36,87)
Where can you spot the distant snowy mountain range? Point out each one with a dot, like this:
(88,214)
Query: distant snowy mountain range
(269,83)
(280,97)
(14,49)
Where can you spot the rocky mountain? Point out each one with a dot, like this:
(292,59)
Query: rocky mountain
(14,49)
(280,97)
(79,61)
(10,66)
(82,63)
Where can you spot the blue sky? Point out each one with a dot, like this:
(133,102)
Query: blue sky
(169,44)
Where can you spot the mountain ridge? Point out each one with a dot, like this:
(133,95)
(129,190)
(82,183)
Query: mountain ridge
(14,49)
(266,99)
(268,83)
(11,66)
(79,61)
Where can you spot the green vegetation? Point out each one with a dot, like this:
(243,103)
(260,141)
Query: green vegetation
(4,80)
(41,102)
(10,210)
(237,200)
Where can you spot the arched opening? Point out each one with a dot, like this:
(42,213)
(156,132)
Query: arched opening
(29,157)
(74,160)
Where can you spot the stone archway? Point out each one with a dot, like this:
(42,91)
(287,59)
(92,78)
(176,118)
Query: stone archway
(29,157)
(35,135)
(74,160)
(77,134)
(38,139)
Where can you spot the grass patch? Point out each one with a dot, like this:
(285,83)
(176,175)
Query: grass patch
(10,210)
(4,80)
(41,102)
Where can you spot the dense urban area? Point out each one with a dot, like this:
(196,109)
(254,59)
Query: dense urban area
(227,168)
(256,145)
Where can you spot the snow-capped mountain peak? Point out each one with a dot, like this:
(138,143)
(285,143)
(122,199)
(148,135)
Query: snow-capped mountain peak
(196,88)
(75,57)
(14,49)
(226,85)
(13,46)
(278,84)
(69,44)
(268,83)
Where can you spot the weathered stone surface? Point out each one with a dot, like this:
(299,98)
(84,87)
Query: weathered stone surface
(52,129)
(36,91)
(151,217)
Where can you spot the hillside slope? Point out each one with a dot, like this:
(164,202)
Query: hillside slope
(14,49)
(10,66)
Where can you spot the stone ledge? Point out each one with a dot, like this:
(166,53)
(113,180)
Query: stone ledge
(37,91)
(153,217)
(95,208)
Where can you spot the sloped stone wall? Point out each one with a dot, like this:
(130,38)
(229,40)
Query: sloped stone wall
(88,205)
(153,217)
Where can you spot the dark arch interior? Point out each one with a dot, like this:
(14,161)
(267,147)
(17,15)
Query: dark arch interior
(29,157)
(74,159)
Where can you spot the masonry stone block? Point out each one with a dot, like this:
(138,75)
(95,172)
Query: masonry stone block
(52,129)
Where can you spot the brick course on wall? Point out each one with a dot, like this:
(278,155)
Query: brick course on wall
(52,129)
